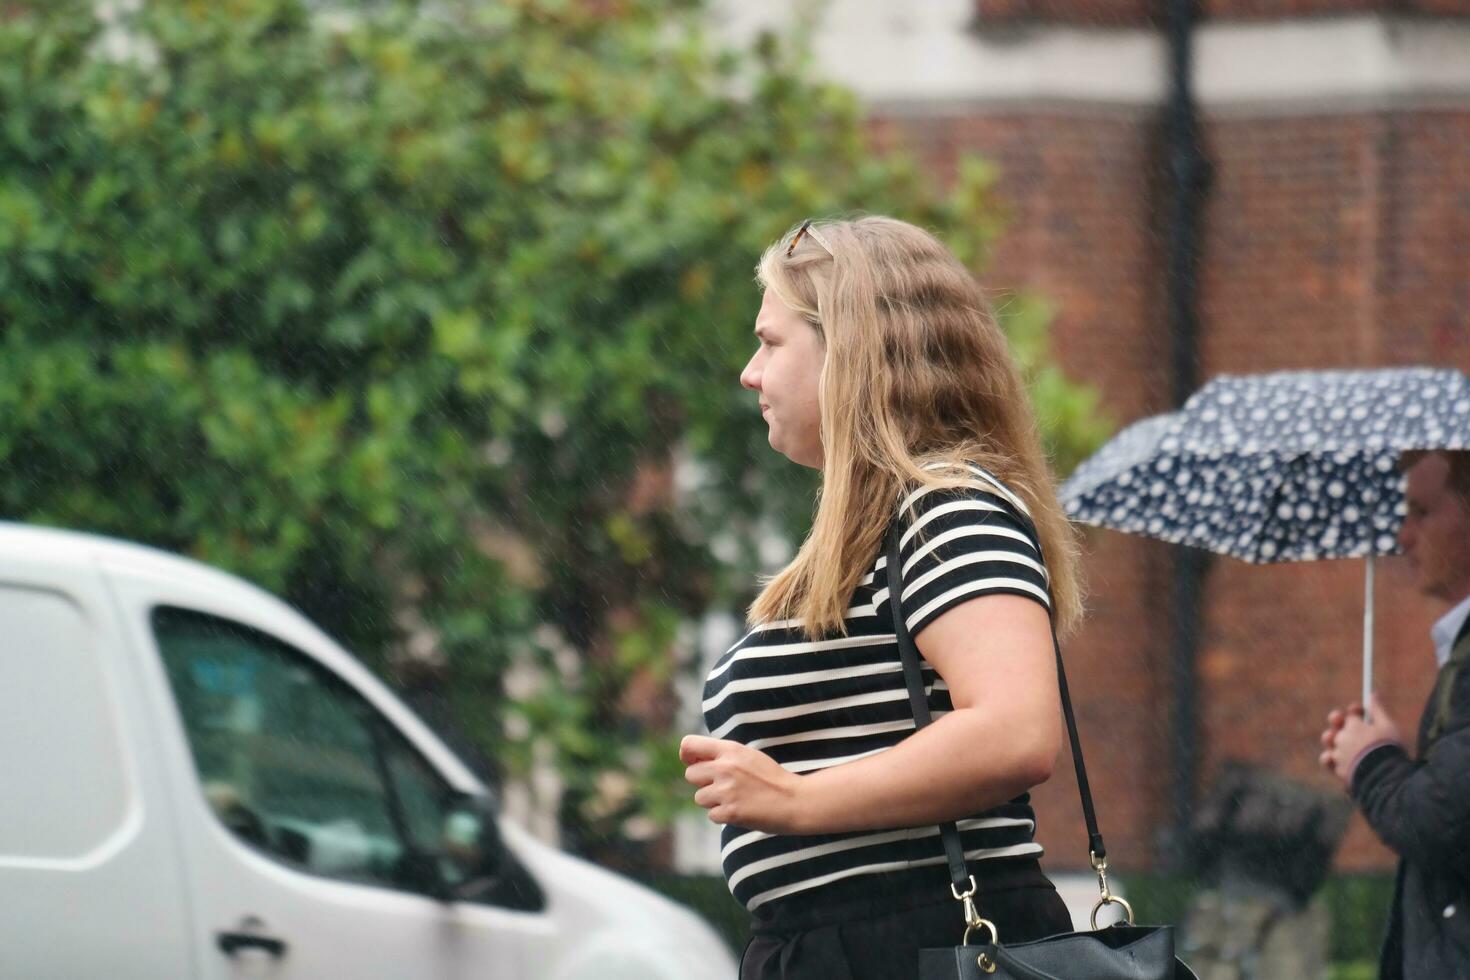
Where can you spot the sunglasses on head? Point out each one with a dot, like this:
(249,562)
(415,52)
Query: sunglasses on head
(807,229)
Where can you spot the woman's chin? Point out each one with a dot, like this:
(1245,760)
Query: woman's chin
(796,455)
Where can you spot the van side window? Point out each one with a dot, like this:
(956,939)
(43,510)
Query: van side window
(293,761)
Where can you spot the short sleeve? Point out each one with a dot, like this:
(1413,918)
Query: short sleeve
(960,543)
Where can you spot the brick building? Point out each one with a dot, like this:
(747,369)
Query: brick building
(1334,232)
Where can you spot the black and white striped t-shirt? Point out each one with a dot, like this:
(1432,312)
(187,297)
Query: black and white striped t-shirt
(810,705)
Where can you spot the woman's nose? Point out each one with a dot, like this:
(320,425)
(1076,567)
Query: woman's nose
(750,376)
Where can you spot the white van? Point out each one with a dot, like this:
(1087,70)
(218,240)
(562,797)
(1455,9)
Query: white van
(196,782)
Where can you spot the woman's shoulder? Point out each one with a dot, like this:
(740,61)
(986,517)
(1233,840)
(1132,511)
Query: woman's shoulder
(966,488)
(967,536)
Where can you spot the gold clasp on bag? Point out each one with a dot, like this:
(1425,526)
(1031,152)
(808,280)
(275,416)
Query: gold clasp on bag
(980,923)
(973,921)
(1100,865)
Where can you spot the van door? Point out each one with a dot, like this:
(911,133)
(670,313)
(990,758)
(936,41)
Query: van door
(90,882)
(306,815)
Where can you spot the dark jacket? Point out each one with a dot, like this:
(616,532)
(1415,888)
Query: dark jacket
(1421,809)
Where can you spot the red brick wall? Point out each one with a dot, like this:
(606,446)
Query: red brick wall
(1093,13)
(1328,241)
(1268,10)
(1284,9)
(1133,13)
(1424,271)
(1338,240)
(1281,9)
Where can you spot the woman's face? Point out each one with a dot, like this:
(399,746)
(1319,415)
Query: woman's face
(785,372)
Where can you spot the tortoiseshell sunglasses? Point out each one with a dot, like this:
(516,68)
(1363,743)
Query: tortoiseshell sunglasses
(807,229)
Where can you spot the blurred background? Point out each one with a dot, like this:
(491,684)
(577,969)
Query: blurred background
(428,317)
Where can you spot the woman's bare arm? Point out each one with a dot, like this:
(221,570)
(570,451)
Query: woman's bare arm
(1001,739)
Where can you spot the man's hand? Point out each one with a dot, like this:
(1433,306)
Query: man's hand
(740,785)
(1347,735)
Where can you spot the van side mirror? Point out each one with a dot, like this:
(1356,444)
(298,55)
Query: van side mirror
(473,854)
(470,863)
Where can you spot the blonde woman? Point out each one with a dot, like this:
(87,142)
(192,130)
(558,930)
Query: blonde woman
(879,364)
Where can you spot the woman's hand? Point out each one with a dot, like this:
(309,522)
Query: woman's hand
(740,785)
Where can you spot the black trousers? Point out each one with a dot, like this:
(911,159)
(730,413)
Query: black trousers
(873,940)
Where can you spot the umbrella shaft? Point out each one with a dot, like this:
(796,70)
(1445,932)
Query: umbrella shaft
(1367,634)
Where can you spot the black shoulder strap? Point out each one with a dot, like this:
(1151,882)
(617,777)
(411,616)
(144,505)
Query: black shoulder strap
(919,702)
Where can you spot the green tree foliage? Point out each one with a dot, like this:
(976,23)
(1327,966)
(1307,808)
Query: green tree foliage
(404,311)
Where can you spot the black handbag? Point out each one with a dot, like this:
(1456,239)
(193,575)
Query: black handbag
(1117,952)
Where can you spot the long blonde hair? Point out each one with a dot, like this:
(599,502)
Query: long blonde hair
(916,373)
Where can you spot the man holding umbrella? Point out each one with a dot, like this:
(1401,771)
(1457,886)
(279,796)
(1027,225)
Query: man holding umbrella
(1420,805)
(1306,466)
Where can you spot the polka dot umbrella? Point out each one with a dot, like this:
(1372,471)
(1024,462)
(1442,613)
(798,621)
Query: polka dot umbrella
(1292,466)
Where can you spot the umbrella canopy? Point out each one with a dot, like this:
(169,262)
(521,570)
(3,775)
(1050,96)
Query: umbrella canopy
(1293,466)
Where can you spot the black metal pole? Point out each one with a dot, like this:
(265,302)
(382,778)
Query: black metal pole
(1188,178)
